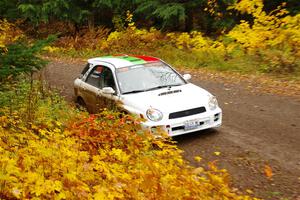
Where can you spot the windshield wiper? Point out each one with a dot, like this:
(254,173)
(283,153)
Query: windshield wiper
(134,91)
(174,85)
(150,89)
(157,87)
(162,86)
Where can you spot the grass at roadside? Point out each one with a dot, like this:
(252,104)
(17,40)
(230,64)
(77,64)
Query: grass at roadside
(188,59)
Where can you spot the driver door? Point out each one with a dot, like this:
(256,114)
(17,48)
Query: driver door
(99,78)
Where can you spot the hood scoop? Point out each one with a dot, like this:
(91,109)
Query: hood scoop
(169,92)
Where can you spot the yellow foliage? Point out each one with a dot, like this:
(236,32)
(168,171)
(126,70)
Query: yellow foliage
(129,21)
(81,156)
(196,42)
(274,37)
(8,33)
(132,38)
(52,49)
(114,36)
(276,31)
(254,7)
(193,40)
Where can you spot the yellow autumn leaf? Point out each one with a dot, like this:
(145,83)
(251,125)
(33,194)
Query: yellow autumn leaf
(197,158)
(249,191)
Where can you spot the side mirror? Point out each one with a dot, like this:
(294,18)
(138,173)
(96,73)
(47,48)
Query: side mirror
(187,77)
(108,90)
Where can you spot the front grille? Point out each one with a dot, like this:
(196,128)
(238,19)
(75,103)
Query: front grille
(185,113)
(178,128)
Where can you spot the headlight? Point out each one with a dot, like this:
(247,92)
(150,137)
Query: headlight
(212,103)
(154,114)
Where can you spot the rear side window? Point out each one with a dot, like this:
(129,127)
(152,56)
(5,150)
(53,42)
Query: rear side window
(86,68)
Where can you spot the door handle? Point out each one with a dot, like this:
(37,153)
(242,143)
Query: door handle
(98,93)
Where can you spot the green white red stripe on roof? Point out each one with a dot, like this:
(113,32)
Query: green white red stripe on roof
(125,60)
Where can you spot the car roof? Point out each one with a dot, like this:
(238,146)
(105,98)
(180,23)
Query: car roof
(123,60)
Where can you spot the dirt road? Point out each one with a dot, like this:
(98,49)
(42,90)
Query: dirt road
(258,130)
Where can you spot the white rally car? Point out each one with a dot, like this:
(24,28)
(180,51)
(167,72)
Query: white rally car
(150,88)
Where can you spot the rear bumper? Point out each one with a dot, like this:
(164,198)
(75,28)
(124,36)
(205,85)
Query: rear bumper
(174,127)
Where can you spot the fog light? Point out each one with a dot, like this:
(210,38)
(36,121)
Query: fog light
(217,117)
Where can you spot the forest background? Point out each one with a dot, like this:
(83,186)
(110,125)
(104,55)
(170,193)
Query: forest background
(245,36)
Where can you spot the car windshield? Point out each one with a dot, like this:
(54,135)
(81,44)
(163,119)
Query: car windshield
(146,77)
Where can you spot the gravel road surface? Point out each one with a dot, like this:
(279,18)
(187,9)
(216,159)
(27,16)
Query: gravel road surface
(258,130)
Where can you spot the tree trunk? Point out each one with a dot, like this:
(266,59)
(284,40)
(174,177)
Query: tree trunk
(91,22)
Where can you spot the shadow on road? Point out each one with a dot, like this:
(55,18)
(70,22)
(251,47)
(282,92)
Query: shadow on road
(198,135)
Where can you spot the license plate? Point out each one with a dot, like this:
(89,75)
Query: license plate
(192,124)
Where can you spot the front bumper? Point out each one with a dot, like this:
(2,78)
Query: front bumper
(179,126)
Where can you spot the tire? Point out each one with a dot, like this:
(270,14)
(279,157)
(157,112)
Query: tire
(80,104)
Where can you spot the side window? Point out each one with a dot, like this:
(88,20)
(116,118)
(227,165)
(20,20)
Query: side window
(108,79)
(101,77)
(94,78)
(86,68)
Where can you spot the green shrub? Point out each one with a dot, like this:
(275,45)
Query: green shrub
(21,57)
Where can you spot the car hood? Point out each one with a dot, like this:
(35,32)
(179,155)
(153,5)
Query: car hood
(167,100)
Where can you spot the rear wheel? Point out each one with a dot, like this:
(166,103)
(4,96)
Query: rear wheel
(80,104)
